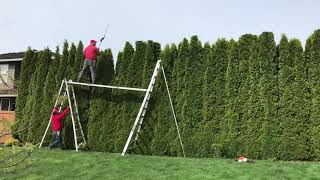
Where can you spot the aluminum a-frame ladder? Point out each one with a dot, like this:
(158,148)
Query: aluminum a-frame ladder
(136,128)
(79,138)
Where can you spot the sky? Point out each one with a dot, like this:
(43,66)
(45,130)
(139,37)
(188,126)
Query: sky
(47,23)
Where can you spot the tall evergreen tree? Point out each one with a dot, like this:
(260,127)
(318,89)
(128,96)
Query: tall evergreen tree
(246,43)
(71,66)
(285,83)
(101,113)
(200,137)
(179,80)
(27,70)
(147,131)
(215,94)
(122,76)
(294,136)
(162,112)
(63,64)
(268,92)
(49,94)
(133,102)
(149,62)
(192,107)
(79,58)
(230,128)
(37,98)
(314,79)
(252,126)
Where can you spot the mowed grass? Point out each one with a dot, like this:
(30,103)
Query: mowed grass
(58,164)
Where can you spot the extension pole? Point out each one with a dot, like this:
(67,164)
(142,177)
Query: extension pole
(104,35)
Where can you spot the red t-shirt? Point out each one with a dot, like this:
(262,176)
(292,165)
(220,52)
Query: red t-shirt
(90,53)
(57,120)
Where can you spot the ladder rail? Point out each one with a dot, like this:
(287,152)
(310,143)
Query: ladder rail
(173,112)
(144,110)
(55,104)
(78,117)
(72,117)
(141,109)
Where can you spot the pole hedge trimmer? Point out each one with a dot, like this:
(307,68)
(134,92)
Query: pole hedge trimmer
(104,35)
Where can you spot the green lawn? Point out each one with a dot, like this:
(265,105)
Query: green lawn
(57,164)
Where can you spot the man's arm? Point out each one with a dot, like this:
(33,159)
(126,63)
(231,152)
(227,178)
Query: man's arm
(65,112)
(84,52)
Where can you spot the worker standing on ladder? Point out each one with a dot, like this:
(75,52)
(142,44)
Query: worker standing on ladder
(90,57)
(56,126)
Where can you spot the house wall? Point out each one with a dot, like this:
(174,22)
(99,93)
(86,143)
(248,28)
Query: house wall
(6,116)
(9,87)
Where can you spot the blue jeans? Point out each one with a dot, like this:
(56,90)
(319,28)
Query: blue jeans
(91,65)
(57,140)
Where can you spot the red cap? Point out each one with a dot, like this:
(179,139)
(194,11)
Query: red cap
(55,109)
(93,41)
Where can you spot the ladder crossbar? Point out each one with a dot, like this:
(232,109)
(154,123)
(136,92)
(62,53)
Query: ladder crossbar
(107,86)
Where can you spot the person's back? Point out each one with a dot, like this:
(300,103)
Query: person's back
(57,118)
(57,125)
(90,52)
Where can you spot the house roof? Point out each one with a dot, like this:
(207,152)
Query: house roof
(14,56)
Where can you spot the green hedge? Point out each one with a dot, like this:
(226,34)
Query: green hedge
(249,96)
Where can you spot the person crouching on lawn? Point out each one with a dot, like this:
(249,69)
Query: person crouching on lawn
(56,120)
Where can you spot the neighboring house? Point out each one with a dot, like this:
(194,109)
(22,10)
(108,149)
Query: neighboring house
(10,65)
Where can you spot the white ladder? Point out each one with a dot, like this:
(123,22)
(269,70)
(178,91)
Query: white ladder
(77,128)
(79,137)
(141,114)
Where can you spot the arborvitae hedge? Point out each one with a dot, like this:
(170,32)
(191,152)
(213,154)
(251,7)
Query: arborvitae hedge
(161,141)
(251,143)
(314,77)
(192,106)
(122,75)
(294,125)
(248,97)
(215,92)
(78,61)
(49,93)
(100,123)
(179,79)
(61,74)
(35,103)
(285,83)
(152,50)
(230,128)
(246,42)
(199,137)
(27,70)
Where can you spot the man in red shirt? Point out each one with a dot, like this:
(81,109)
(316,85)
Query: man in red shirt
(90,57)
(57,124)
